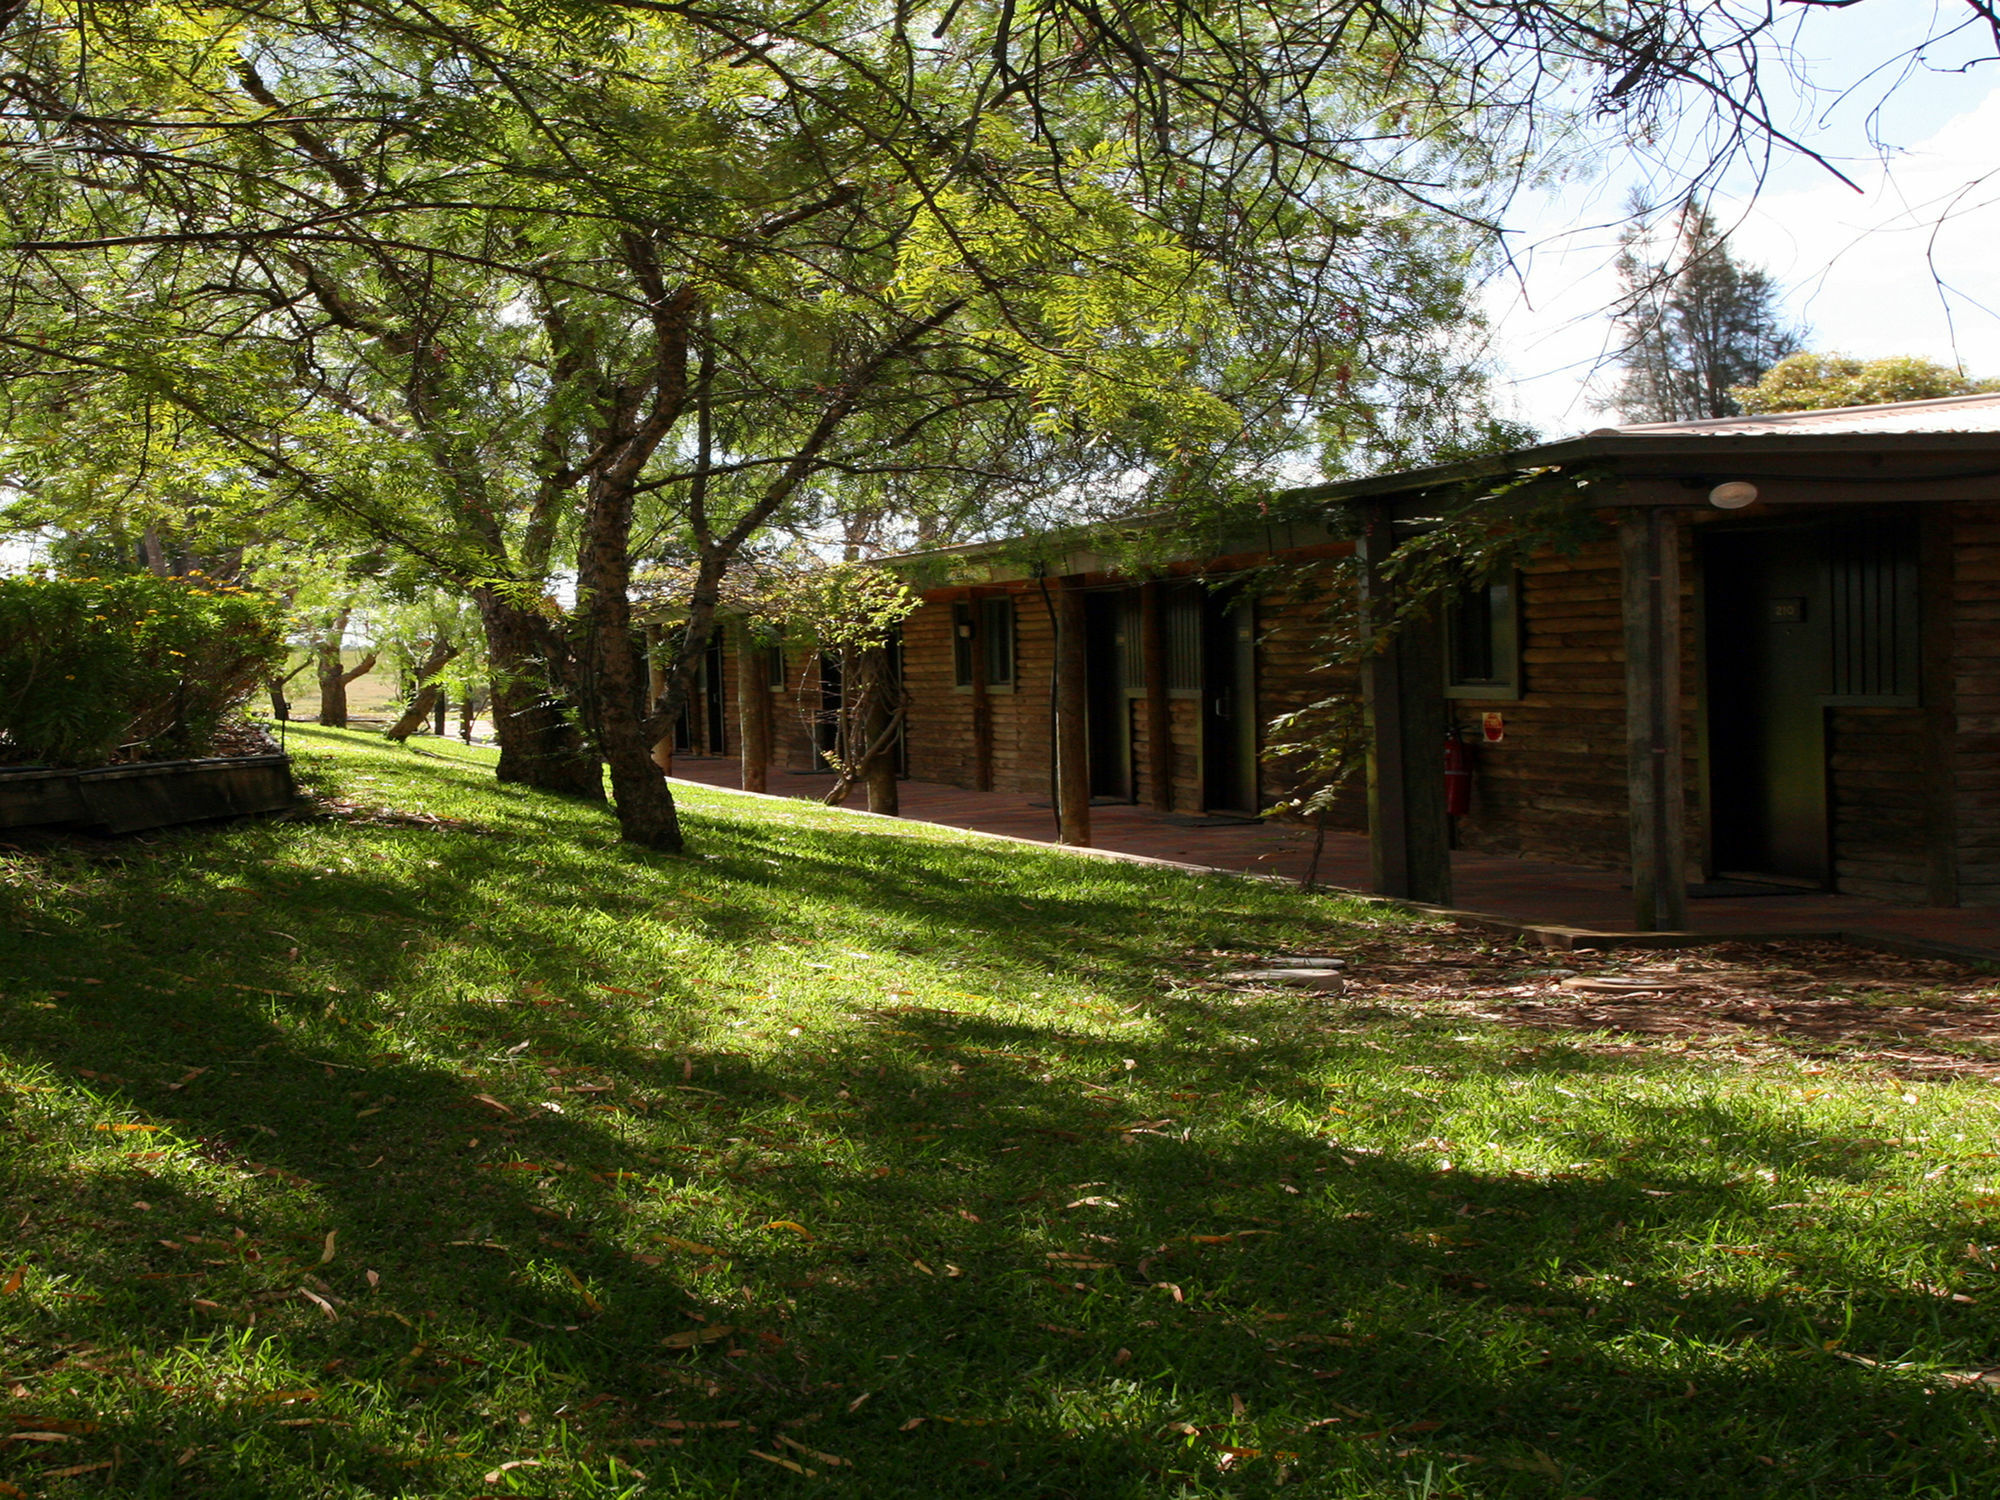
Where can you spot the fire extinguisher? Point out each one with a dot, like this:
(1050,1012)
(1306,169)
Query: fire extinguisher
(1457,775)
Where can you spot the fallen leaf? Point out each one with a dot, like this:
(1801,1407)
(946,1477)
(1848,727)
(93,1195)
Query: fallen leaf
(812,1453)
(687,1338)
(692,1247)
(75,1469)
(1538,1463)
(785,1463)
(577,1281)
(327,1254)
(491,1103)
(13,1282)
(796,1228)
(321,1303)
(518,1463)
(1989,1376)
(912,1423)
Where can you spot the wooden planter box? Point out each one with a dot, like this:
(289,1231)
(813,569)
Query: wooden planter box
(126,799)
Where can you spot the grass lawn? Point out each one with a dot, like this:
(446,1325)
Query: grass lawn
(438,1146)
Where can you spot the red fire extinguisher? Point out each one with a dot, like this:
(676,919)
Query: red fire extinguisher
(1457,775)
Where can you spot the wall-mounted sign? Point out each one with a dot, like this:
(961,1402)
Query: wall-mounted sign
(1494,727)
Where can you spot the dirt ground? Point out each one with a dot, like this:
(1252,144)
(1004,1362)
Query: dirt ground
(1912,1017)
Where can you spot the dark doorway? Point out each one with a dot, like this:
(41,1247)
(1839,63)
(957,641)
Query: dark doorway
(826,725)
(711,698)
(1768,648)
(1107,626)
(1229,705)
(700,729)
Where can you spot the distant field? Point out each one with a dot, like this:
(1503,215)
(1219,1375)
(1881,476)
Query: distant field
(371,695)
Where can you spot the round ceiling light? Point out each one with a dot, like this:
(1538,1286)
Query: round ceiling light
(1734,495)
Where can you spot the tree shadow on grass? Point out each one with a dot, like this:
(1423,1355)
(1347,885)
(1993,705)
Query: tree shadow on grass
(966,1251)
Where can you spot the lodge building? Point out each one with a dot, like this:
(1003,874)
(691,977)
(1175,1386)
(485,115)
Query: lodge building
(1772,655)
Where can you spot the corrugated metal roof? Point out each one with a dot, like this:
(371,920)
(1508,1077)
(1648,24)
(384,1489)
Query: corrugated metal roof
(1967,414)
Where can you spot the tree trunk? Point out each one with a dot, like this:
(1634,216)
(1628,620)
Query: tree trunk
(878,734)
(441,654)
(281,706)
(612,670)
(1072,718)
(539,745)
(334,677)
(753,703)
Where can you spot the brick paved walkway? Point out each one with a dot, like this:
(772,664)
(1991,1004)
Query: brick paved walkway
(1518,890)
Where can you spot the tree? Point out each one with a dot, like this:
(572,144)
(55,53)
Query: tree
(1693,324)
(330,667)
(503,288)
(1815,382)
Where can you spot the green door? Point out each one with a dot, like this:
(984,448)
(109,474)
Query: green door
(1229,706)
(1769,652)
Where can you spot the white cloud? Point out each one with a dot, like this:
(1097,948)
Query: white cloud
(1907,266)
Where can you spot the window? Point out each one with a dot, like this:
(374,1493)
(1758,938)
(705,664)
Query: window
(962,644)
(984,626)
(1873,615)
(1482,651)
(1184,640)
(996,625)
(774,664)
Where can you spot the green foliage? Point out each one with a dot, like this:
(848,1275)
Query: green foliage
(94,670)
(1695,324)
(1819,382)
(1493,523)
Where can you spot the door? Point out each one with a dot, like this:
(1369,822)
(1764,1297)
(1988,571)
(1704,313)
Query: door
(711,697)
(1106,628)
(826,724)
(1229,705)
(1768,649)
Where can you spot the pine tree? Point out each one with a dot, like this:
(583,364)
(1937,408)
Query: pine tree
(1693,325)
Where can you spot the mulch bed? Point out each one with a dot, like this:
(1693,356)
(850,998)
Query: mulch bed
(1912,1017)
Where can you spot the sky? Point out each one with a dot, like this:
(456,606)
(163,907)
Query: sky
(1906,265)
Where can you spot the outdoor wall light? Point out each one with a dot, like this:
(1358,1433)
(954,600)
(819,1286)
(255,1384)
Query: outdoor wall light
(1734,495)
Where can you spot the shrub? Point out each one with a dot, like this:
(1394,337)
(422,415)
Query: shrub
(97,670)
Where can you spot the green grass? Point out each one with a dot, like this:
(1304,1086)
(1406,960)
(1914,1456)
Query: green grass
(369,1155)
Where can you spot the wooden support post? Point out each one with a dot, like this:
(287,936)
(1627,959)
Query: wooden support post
(656,687)
(1072,721)
(1649,550)
(1938,687)
(753,711)
(1159,708)
(982,698)
(1402,688)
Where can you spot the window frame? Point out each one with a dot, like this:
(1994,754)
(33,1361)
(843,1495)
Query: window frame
(995,634)
(1500,594)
